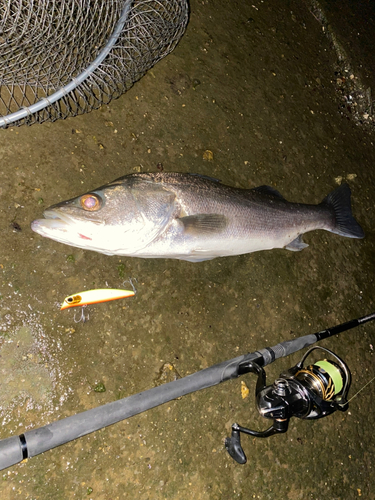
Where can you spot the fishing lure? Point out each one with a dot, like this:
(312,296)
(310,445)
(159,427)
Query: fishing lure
(95,297)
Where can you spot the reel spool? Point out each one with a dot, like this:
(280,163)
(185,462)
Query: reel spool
(307,392)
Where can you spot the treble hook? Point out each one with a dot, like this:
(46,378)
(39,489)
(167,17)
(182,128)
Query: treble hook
(130,281)
(83,316)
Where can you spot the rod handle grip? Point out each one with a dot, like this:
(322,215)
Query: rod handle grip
(10,452)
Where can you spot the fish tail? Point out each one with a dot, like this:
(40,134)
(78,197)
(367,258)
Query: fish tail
(344,223)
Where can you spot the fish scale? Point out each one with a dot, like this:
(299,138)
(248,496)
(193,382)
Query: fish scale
(191,217)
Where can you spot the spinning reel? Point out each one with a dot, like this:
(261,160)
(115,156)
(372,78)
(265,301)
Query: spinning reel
(310,392)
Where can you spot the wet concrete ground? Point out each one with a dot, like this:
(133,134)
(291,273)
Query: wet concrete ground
(255,84)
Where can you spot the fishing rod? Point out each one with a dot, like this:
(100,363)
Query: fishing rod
(298,392)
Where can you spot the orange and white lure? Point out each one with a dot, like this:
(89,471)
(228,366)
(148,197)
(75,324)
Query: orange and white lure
(95,297)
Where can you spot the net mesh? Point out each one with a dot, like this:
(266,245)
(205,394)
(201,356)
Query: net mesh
(45,44)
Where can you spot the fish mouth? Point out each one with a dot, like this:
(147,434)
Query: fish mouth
(59,226)
(52,221)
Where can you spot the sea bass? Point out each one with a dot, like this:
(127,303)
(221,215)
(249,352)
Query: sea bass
(191,217)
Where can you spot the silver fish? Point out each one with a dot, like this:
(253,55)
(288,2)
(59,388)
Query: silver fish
(190,217)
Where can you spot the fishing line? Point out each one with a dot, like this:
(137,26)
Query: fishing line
(360,390)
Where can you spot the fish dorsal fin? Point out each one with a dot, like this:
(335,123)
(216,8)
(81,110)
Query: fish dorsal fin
(270,191)
(297,245)
(204,223)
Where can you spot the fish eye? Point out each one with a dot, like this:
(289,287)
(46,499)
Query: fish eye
(91,202)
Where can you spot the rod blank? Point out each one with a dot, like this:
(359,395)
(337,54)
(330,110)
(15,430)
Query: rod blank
(36,441)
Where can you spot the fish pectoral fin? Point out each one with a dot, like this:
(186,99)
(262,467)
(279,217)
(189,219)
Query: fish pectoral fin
(296,245)
(204,223)
(269,190)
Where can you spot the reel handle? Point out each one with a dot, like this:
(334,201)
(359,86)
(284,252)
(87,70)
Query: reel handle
(233,443)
